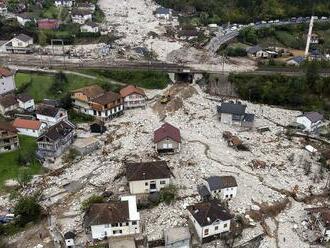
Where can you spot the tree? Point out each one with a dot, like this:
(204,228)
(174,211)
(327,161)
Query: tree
(312,74)
(24,177)
(168,194)
(27,209)
(91,200)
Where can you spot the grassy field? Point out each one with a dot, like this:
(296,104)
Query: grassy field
(9,166)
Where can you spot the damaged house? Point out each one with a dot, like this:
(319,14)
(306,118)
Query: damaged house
(234,114)
(147,177)
(8,137)
(134,97)
(51,115)
(222,187)
(167,139)
(320,219)
(117,218)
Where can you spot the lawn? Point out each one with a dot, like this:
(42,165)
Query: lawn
(9,166)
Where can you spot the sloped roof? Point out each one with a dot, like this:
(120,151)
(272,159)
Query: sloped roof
(298,59)
(28,124)
(107,98)
(23,37)
(232,108)
(167,131)
(253,49)
(47,110)
(313,116)
(107,213)
(7,127)
(206,213)
(131,89)
(147,170)
(8,100)
(163,11)
(91,91)
(58,131)
(221,182)
(81,12)
(4,72)
(24,97)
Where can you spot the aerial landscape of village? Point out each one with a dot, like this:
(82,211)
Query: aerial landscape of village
(164,123)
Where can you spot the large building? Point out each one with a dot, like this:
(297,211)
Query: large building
(111,219)
(7,81)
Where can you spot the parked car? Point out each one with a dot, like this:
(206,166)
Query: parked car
(263,22)
(324,18)
(277,21)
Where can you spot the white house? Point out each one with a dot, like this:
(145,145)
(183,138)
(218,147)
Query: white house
(234,114)
(51,115)
(25,102)
(209,218)
(63,3)
(147,177)
(296,61)
(81,16)
(33,128)
(22,19)
(89,27)
(310,120)
(8,103)
(69,239)
(163,13)
(117,218)
(222,187)
(20,44)
(134,97)
(7,81)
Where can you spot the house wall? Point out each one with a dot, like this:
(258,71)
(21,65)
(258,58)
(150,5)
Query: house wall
(226,118)
(163,16)
(309,126)
(29,105)
(81,19)
(30,132)
(63,3)
(10,108)
(69,242)
(8,141)
(143,186)
(134,101)
(7,84)
(89,29)
(167,144)
(224,194)
(107,230)
(51,121)
(18,43)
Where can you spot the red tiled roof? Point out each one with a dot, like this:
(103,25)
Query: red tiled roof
(167,131)
(130,89)
(29,124)
(5,72)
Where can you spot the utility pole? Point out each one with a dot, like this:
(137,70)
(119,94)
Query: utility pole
(310,30)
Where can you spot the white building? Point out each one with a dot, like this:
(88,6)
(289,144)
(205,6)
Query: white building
(81,16)
(20,44)
(134,97)
(23,19)
(89,28)
(234,114)
(69,239)
(112,219)
(51,115)
(25,102)
(32,128)
(63,3)
(147,177)
(222,187)
(209,218)
(163,13)
(7,81)
(310,120)
(8,103)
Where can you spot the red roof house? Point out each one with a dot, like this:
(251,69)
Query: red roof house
(50,24)
(167,138)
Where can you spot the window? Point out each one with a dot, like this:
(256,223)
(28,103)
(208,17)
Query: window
(206,232)
(134,222)
(106,225)
(115,225)
(162,182)
(216,228)
(146,184)
(225,225)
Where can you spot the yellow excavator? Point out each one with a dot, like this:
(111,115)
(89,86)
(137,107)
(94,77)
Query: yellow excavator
(165,99)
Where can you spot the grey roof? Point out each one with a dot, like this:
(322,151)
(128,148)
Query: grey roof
(163,11)
(23,37)
(232,108)
(24,97)
(298,59)
(203,191)
(248,118)
(58,131)
(217,182)
(254,49)
(47,110)
(176,234)
(313,116)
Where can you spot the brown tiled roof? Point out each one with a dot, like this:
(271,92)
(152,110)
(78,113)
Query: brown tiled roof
(4,72)
(29,124)
(91,91)
(8,100)
(7,126)
(24,97)
(147,170)
(58,131)
(47,110)
(205,213)
(167,131)
(130,89)
(107,213)
(107,98)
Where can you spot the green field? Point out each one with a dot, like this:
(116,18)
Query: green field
(9,165)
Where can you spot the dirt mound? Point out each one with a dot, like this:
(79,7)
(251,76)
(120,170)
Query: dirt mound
(176,94)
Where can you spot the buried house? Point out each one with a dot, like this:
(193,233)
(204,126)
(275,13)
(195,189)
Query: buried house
(167,138)
(222,187)
(234,114)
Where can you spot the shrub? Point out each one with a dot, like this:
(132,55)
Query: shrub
(70,156)
(91,200)
(27,209)
(168,194)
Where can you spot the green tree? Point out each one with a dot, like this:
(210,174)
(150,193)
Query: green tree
(168,194)
(312,75)
(91,200)
(24,176)
(27,209)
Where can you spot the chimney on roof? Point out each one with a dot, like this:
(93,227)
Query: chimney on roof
(208,219)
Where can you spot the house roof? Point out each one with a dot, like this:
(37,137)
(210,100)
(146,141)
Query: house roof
(147,170)
(188,33)
(313,116)
(254,49)
(7,127)
(163,11)
(206,213)
(4,72)
(24,97)
(58,131)
(221,182)
(176,234)
(248,117)
(69,235)
(91,91)
(81,12)
(28,124)
(47,110)
(107,98)
(203,191)
(232,108)
(131,89)
(167,131)
(8,100)
(107,213)
(298,59)
(23,37)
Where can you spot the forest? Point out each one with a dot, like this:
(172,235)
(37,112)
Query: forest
(245,11)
